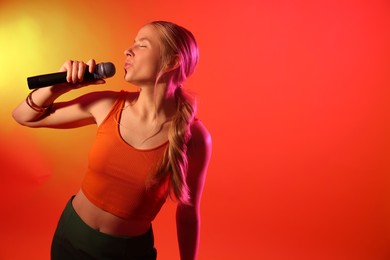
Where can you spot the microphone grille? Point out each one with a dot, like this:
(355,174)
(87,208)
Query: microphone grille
(105,70)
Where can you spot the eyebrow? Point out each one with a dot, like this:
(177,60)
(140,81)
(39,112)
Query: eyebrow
(142,39)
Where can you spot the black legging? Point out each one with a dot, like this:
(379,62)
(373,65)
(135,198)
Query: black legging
(74,240)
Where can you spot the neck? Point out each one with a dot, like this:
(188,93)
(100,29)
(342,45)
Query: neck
(157,102)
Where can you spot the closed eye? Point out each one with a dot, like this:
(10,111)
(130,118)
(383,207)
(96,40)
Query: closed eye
(141,43)
(137,46)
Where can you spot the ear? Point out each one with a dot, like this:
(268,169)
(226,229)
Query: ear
(173,64)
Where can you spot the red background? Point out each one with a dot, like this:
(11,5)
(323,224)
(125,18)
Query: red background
(295,95)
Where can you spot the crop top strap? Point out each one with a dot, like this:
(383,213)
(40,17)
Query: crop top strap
(120,101)
(116,108)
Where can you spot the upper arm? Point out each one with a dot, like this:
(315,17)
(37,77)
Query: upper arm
(84,110)
(199,153)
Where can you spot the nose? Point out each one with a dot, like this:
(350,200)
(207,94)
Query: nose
(129,52)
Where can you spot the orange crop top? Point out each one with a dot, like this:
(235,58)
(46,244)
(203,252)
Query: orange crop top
(118,174)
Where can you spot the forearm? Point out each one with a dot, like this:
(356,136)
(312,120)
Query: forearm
(28,110)
(188,234)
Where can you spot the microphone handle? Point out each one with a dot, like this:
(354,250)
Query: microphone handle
(55,78)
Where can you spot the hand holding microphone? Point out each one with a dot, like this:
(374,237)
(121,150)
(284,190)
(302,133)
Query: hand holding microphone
(74,72)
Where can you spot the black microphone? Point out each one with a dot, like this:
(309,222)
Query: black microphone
(102,70)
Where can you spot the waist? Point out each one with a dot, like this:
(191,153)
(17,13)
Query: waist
(106,222)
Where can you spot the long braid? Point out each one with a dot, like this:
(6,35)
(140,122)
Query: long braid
(179,135)
(175,160)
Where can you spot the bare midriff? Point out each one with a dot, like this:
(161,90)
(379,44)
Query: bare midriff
(106,222)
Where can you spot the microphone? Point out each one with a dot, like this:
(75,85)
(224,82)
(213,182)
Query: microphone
(102,70)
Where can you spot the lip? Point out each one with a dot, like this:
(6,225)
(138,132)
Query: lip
(128,65)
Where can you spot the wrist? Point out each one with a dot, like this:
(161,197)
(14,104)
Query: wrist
(37,108)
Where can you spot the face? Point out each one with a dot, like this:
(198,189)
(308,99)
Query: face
(143,59)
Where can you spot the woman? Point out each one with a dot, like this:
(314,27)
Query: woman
(148,146)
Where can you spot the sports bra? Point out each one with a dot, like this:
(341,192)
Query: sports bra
(118,178)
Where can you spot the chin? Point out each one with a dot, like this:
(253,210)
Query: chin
(127,77)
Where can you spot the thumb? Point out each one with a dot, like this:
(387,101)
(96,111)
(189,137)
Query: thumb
(100,81)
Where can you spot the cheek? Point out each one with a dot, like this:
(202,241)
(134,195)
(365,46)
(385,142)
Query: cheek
(153,65)
(149,70)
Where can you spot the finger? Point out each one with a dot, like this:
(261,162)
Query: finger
(66,67)
(91,65)
(75,68)
(100,81)
(81,71)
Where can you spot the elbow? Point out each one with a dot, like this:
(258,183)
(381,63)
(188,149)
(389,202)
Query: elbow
(20,119)
(188,223)
(17,117)
(187,215)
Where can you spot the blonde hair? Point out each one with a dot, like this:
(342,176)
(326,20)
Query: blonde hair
(178,43)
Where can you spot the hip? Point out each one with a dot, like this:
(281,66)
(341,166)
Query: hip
(74,239)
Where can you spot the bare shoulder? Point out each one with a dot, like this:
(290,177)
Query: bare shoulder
(105,98)
(200,137)
(100,103)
